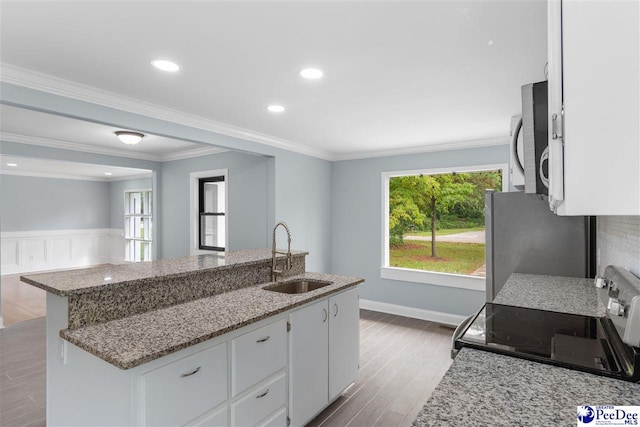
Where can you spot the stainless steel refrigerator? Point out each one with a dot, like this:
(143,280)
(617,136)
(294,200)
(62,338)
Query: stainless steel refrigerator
(524,236)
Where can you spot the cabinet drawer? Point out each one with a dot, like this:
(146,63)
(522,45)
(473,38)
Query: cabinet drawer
(198,382)
(258,354)
(215,419)
(260,402)
(279,419)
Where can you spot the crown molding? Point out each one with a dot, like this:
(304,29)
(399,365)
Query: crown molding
(52,175)
(448,146)
(57,86)
(196,152)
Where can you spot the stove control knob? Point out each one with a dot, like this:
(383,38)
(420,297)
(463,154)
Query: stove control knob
(616,307)
(601,282)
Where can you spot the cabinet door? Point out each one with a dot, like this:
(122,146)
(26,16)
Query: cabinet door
(601,96)
(309,362)
(344,341)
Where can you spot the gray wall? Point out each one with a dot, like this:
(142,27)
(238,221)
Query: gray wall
(34,203)
(247,192)
(357,228)
(116,198)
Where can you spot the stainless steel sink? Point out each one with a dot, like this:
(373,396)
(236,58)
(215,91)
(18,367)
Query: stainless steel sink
(297,286)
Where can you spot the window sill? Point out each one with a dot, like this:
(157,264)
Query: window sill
(449,280)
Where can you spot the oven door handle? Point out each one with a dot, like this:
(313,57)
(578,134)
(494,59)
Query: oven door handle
(458,332)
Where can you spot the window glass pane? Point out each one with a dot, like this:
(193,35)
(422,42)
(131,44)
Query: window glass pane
(214,197)
(436,222)
(212,230)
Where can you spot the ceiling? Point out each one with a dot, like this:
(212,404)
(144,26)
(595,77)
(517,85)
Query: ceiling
(26,166)
(397,75)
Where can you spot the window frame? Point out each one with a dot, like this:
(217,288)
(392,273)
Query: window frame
(194,210)
(202,212)
(436,278)
(128,216)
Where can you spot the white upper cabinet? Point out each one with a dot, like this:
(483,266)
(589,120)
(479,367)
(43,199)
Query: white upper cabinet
(594,88)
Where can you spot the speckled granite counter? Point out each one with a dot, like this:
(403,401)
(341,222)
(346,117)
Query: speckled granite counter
(73,282)
(554,293)
(133,340)
(483,388)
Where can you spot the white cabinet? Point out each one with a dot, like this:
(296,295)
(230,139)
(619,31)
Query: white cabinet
(260,402)
(177,393)
(344,341)
(594,77)
(258,354)
(309,361)
(324,353)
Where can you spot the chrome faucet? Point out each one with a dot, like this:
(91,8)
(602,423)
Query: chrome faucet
(274,270)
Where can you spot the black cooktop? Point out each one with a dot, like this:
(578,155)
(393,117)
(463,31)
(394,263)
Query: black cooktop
(572,341)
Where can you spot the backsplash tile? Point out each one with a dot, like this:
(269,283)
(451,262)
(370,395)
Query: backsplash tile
(619,242)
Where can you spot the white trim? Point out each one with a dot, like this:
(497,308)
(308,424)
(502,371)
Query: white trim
(420,276)
(427,148)
(46,83)
(85,148)
(54,175)
(193,209)
(1,323)
(415,313)
(29,251)
(461,281)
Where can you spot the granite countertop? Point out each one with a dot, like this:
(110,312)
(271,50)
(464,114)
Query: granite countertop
(134,340)
(65,283)
(483,388)
(573,295)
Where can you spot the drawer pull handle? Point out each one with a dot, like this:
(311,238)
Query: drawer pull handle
(264,339)
(263,394)
(188,374)
(336,307)
(324,315)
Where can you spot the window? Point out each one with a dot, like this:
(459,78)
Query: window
(212,206)
(434,224)
(208,211)
(138,223)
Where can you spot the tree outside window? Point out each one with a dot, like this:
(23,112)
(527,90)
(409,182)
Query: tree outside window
(436,221)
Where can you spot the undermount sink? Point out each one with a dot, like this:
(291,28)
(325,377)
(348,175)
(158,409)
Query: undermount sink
(297,286)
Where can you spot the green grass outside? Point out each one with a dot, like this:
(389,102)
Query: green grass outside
(444,232)
(459,258)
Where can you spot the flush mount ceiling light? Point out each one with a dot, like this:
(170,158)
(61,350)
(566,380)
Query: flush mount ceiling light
(164,65)
(311,73)
(275,108)
(129,138)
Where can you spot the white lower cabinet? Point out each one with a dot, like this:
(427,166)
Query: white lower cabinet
(260,402)
(177,393)
(218,418)
(324,353)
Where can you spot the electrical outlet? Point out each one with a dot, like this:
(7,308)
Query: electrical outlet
(62,351)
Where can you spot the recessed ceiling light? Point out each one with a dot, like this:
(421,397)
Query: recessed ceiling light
(106,278)
(12,164)
(108,173)
(164,65)
(311,73)
(275,108)
(128,137)
(490,42)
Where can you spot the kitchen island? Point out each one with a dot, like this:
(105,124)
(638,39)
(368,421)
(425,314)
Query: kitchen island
(483,388)
(194,340)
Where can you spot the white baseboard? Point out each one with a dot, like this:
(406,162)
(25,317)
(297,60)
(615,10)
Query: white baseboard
(1,323)
(416,313)
(29,251)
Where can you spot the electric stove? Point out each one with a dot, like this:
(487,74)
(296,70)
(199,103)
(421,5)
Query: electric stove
(605,346)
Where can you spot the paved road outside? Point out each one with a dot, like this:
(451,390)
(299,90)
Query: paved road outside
(466,237)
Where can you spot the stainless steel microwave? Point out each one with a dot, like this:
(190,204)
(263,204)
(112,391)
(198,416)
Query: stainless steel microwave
(535,139)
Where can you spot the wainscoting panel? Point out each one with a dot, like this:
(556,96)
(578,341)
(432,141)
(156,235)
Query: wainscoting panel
(28,251)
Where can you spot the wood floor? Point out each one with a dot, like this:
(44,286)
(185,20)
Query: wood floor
(401,362)
(21,301)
